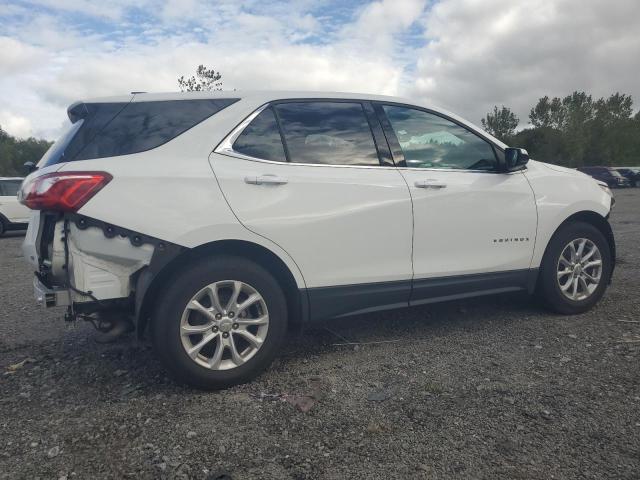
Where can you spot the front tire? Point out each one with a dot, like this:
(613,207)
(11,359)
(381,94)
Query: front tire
(219,323)
(575,270)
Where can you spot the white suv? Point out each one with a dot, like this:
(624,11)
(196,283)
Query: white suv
(13,215)
(218,220)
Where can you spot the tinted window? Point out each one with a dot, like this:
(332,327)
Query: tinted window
(261,138)
(334,133)
(9,188)
(145,125)
(430,141)
(55,153)
(112,129)
(94,117)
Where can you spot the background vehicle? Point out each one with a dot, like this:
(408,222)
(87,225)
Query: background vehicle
(608,175)
(13,215)
(630,173)
(218,220)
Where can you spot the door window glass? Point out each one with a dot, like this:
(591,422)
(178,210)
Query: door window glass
(430,141)
(335,133)
(10,188)
(261,139)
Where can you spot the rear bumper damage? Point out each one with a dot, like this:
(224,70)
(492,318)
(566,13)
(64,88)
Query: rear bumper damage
(90,266)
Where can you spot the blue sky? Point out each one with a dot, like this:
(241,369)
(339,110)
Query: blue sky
(465,55)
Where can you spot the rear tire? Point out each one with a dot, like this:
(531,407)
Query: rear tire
(3,228)
(239,342)
(566,282)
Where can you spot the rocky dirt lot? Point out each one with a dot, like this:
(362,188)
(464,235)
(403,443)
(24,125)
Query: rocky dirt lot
(489,388)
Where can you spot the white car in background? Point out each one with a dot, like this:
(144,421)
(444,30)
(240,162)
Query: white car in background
(216,220)
(13,215)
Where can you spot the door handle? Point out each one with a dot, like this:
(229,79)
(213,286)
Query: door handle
(265,180)
(429,183)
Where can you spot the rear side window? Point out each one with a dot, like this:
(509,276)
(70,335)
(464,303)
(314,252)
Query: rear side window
(9,188)
(334,133)
(261,139)
(56,152)
(113,129)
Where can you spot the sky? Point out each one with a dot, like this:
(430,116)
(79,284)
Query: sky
(463,55)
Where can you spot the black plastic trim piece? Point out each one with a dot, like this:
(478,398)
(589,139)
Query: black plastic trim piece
(343,300)
(8,225)
(331,302)
(431,290)
(382,145)
(162,256)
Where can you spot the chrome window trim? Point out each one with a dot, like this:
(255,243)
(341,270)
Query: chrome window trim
(225,147)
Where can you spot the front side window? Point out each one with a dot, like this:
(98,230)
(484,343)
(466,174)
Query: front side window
(261,139)
(430,141)
(333,133)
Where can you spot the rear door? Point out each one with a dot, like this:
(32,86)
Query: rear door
(474,227)
(308,176)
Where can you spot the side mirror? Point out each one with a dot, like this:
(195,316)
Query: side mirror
(29,167)
(515,159)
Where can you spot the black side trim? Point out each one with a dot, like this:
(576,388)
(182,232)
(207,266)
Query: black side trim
(339,301)
(431,290)
(331,302)
(12,225)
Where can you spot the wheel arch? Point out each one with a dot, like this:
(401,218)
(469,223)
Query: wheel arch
(598,221)
(297,302)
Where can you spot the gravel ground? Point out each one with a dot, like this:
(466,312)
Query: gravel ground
(486,388)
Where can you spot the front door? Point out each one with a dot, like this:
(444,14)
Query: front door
(474,228)
(324,197)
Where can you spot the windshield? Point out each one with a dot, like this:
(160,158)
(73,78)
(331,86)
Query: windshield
(55,154)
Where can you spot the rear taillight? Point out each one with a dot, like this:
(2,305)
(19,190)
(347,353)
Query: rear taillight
(62,191)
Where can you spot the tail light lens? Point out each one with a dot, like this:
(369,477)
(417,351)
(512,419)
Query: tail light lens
(63,191)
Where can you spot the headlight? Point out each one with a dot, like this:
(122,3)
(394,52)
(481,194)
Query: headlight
(609,192)
(606,189)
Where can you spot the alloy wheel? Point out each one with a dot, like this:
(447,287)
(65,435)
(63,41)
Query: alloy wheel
(579,269)
(224,325)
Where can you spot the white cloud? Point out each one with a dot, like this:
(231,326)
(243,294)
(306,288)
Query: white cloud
(375,27)
(482,53)
(15,124)
(16,57)
(464,54)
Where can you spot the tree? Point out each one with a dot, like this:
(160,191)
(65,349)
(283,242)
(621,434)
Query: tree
(548,113)
(502,123)
(615,108)
(15,152)
(204,79)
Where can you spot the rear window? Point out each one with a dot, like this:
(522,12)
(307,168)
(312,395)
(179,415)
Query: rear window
(9,188)
(113,129)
